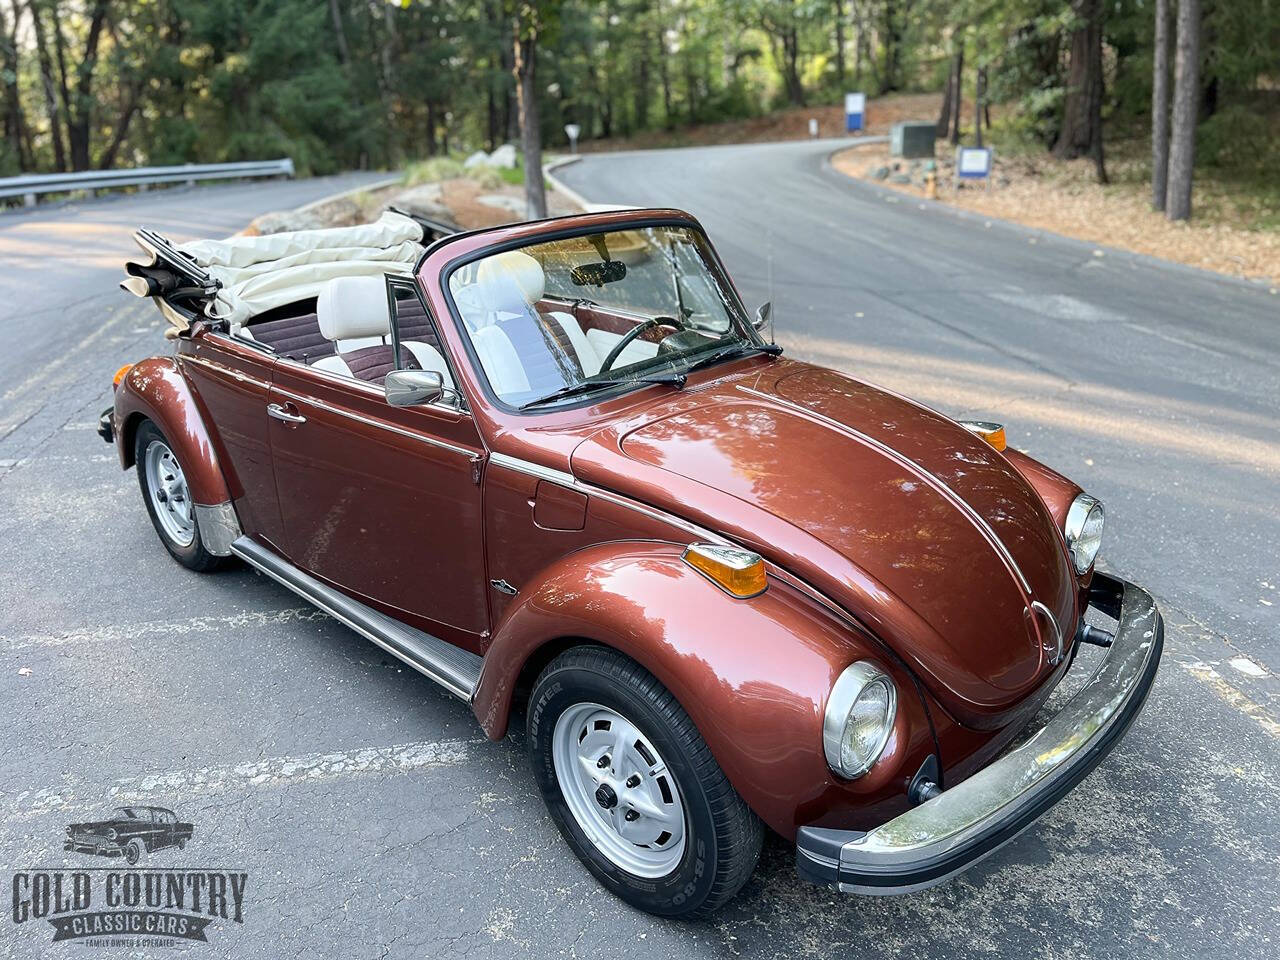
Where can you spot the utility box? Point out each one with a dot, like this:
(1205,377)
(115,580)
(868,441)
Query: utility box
(912,140)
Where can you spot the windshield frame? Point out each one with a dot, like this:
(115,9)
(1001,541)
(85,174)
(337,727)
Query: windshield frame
(627,384)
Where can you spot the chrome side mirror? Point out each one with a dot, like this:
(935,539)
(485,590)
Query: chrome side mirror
(763,321)
(408,388)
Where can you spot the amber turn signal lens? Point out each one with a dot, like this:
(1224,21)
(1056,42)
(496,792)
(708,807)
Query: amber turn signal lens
(993,433)
(738,572)
(115,381)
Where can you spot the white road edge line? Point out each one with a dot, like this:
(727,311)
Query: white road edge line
(118,634)
(270,772)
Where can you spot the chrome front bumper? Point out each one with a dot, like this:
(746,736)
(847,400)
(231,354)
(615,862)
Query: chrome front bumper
(960,826)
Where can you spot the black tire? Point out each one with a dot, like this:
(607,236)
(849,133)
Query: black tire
(192,555)
(723,836)
(133,851)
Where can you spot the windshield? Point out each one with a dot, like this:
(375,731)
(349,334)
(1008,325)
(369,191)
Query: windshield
(581,314)
(128,813)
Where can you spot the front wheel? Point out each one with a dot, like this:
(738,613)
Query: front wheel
(633,787)
(168,498)
(133,851)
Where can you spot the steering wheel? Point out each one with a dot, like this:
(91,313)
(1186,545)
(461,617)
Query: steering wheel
(634,332)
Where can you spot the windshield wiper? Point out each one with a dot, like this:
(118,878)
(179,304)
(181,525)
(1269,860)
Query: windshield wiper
(741,349)
(588,386)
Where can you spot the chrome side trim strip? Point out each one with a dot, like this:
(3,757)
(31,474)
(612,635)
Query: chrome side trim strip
(219,527)
(932,480)
(455,669)
(225,371)
(533,469)
(359,418)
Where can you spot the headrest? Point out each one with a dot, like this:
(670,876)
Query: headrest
(350,307)
(517,266)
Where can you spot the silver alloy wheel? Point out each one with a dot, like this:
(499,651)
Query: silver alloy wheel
(170,497)
(619,790)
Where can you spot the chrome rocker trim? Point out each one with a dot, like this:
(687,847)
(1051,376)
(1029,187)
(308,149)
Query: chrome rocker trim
(455,669)
(958,827)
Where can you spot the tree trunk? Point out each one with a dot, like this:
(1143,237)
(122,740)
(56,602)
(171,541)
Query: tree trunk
(15,125)
(1081,133)
(944,115)
(79,108)
(892,47)
(979,90)
(339,33)
(839,4)
(1186,96)
(791,49)
(108,158)
(957,95)
(525,51)
(50,92)
(664,74)
(1160,108)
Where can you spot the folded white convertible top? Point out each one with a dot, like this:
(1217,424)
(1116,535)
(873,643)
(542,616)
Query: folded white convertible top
(259,273)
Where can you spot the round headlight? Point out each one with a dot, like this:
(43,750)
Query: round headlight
(111,834)
(1083,530)
(858,719)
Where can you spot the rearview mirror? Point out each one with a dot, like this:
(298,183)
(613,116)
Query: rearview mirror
(408,388)
(598,274)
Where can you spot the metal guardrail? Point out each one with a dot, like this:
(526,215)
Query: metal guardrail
(29,186)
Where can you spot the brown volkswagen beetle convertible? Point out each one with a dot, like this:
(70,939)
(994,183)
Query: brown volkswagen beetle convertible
(558,468)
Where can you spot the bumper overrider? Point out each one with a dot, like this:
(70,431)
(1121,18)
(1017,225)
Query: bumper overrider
(958,827)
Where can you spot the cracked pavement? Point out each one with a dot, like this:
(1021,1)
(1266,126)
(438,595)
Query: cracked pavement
(373,818)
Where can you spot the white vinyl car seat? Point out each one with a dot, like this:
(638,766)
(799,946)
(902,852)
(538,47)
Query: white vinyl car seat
(353,313)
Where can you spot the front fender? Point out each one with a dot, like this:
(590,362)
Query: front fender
(155,389)
(753,675)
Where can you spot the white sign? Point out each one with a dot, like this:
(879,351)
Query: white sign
(571,130)
(973,163)
(813,126)
(855,105)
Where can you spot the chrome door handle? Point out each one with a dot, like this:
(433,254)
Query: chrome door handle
(280,413)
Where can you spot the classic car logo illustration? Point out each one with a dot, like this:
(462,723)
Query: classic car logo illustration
(129,905)
(130,832)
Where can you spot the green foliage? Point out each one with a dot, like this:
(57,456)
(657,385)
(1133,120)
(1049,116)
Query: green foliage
(1239,138)
(386,80)
(429,171)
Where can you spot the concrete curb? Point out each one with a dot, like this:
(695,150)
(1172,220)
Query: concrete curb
(889,195)
(573,195)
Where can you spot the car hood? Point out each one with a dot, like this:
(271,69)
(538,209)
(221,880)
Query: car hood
(917,527)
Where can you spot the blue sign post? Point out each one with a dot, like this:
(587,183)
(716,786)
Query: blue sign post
(855,105)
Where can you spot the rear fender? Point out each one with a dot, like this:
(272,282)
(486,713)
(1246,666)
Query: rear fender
(154,389)
(753,675)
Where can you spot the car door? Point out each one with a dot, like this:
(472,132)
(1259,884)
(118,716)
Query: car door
(383,502)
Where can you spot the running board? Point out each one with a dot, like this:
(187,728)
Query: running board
(455,669)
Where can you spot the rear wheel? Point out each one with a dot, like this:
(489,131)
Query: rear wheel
(168,498)
(633,787)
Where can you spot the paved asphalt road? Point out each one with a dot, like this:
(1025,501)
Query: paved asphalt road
(372,817)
